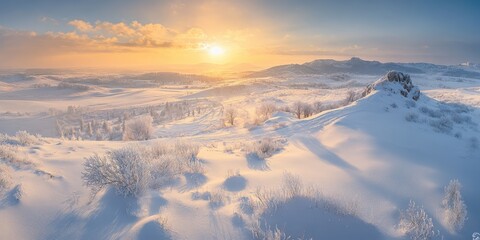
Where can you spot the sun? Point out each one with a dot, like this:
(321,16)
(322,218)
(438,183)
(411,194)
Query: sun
(215,50)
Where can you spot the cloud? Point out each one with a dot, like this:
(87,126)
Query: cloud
(81,25)
(49,20)
(136,34)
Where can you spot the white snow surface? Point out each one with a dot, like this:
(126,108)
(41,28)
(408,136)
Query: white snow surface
(360,164)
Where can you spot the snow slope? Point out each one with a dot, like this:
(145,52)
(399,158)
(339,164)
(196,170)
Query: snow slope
(339,174)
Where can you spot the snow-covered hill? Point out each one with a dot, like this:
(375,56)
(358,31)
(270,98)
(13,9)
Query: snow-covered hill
(347,169)
(358,66)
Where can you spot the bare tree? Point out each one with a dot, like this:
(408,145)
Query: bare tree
(297,109)
(307,110)
(351,97)
(230,115)
(318,107)
(266,110)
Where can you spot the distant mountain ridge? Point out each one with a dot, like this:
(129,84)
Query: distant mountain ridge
(356,65)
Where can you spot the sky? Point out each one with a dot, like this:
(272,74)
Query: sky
(181,34)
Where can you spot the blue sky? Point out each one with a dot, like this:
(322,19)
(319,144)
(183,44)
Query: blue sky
(444,32)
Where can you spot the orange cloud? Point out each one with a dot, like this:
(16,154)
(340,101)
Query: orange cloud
(81,25)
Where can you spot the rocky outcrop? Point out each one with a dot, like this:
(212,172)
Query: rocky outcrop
(396,83)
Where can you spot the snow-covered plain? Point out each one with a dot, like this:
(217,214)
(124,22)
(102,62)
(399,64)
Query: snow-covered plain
(346,171)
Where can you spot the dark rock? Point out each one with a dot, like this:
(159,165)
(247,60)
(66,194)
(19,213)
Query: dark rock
(396,83)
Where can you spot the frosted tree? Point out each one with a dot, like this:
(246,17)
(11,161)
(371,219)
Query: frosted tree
(138,129)
(89,129)
(59,129)
(307,110)
(318,107)
(455,210)
(82,125)
(230,115)
(266,110)
(416,224)
(297,109)
(106,128)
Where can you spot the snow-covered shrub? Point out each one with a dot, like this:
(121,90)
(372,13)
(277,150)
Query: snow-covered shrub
(430,112)
(10,155)
(18,192)
(443,125)
(292,185)
(275,213)
(25,138)
(4,179)
(416,224)
(459,118)
(455,210)
(264,148)
(126,169)
(138,129)
(187,151)
(410,103)
(132,169)
(268,234)
(217,199)
(412,117)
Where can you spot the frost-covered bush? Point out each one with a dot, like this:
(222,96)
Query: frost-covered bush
(443,125)
(410,103)
(10,155)
(133,169)
(217,199)
(268,234)
(264,148)
(4,180)
(21,138)
(126,169)
(416,224)
(455,210)
(274,212)
(292,185)
(18,192)
(138,129)
(26,139)
(266,109)
(264,112)
(412,117)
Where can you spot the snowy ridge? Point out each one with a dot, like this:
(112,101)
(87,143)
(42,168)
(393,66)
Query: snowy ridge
(359,66)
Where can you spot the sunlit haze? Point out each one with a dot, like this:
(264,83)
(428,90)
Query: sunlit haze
(171,35)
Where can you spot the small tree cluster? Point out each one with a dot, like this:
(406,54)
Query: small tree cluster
(302,110)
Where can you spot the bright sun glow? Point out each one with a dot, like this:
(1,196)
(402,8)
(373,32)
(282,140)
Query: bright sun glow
(216,50)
